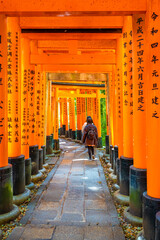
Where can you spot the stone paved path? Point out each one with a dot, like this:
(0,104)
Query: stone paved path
(76,205)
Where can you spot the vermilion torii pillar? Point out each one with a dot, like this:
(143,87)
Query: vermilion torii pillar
(79,118)
(127,159)
(138,171)
(99,119)
(73,119)
(118,98)
(14,111)
(6,203)
(55,119)
(25,81)
(70,117)
(60,115)
(151,198)
(38,77)
(43,115)
(49,136)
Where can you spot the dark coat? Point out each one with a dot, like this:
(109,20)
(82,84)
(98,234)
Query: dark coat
(85,139)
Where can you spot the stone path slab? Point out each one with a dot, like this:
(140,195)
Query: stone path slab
(76,205)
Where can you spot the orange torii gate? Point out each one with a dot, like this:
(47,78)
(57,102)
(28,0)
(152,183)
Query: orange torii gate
(138,95)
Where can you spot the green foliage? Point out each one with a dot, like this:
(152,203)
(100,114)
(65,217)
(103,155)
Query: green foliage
(103,119)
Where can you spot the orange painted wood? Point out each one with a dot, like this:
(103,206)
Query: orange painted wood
(78,68)
(71,36)
(25,81)
(71,22)
(14,91)
(139,92)
(81,44)
(55,116)
(3,94)
(153,97)
(119,97)
(102,58)
(69,7)
(127,89)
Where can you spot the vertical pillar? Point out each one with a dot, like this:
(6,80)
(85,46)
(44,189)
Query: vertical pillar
(6,191)
(61,114)
(38,76)
(70,117)
(127,160)
(49,137)
(73,119)
(14,109)
(107,116)
(89,108)
(118,98)
(64,113)
(99,119)
(110,108)
(79,119)
(25,81)
(33,146)
(43,115)
(56,140)
(138,170)
(66,116)
(151,198)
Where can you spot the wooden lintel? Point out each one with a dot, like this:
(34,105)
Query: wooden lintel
(78,68)
(71,22)
(68,8)
(81,44)
(102,58)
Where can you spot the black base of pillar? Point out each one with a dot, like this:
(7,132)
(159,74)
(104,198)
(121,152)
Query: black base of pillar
(63,130)
(150,207)
(99,144)
(49,144)
(79,134)
(44,153)
(34,155)
(55,144)
(157,232)
(112,158)
(70,133)
(67,134)
(27,171)
(73,135)
(40,158)
(6,192)
(138,185)
(115,158)
(110,151)
(18,171)
(107,144)
(118,170)
(125,164)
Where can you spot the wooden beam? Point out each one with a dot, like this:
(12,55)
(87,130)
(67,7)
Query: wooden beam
(78,68)
(75,95)
(74,88)
(71,22)
(103,58)
(81,44)
(71,8)
(71,36)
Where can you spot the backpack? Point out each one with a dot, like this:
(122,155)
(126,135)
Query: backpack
(91,134)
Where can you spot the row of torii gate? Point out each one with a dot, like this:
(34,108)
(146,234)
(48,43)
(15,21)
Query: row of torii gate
(46,37)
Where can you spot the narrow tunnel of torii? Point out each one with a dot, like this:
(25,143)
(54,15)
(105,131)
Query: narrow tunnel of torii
(58,55)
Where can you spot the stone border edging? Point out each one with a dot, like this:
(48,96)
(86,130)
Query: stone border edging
(31,205)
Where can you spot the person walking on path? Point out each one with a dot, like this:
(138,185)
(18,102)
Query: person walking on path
(90,137)
(85,124)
